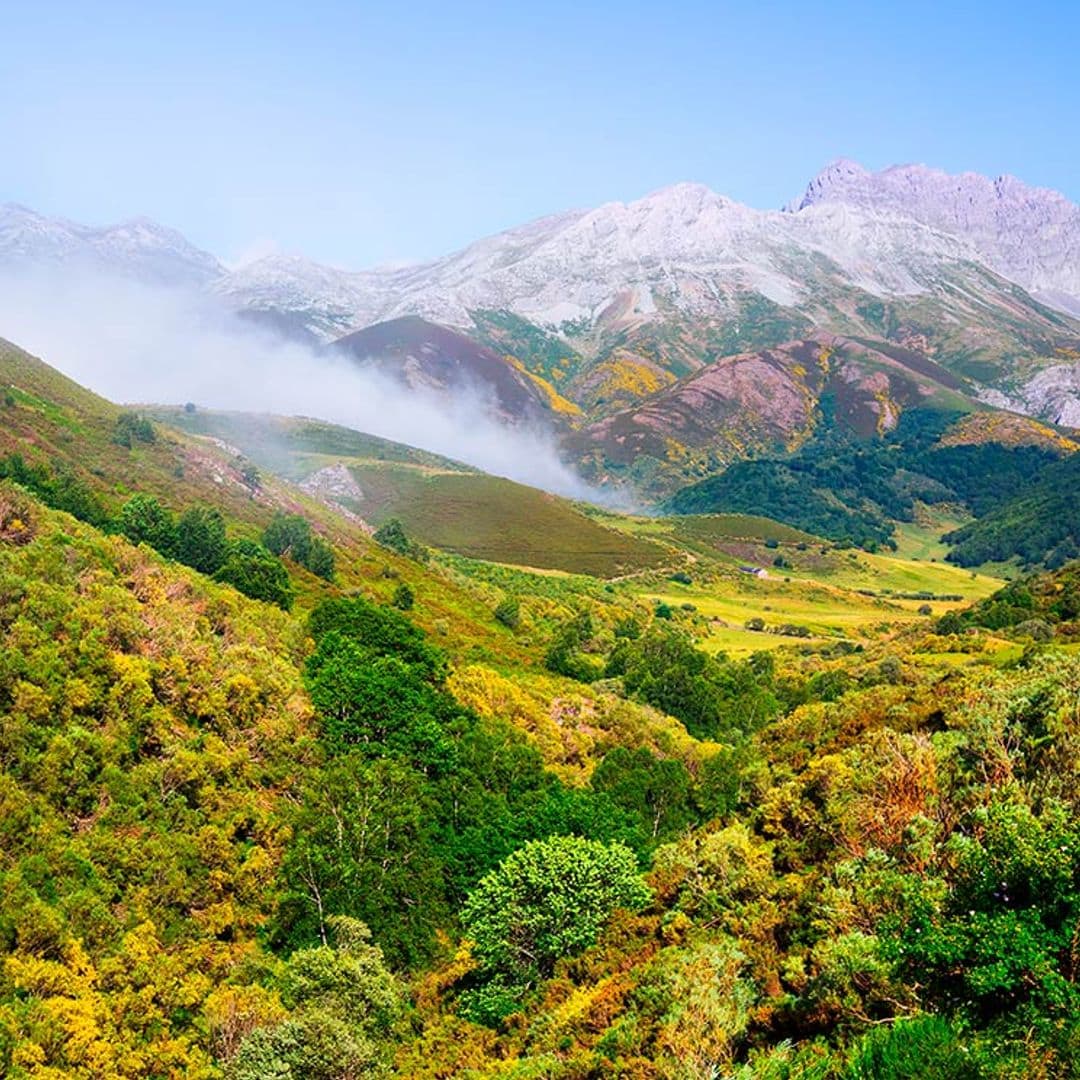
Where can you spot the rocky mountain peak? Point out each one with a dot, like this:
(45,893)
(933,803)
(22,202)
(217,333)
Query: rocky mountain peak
(1030,235)
(839,175)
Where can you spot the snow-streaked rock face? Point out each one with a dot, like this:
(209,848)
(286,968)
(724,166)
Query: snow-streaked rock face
(684,245)
(330,301)
(1027,234)
(1051,394)
(139,248)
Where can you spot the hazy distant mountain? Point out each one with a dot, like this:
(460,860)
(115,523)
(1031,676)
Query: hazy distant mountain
(613,304)
(137,248)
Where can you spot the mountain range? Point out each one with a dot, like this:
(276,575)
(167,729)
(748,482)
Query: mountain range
(933,286)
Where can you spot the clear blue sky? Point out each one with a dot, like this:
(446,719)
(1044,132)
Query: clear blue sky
(359,133)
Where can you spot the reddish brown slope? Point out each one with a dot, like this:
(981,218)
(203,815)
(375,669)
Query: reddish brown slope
(759,402)
(425,355)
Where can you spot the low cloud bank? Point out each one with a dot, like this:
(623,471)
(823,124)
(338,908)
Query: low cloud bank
(135,343)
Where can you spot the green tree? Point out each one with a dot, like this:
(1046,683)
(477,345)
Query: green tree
(288,535)
(320,559)
(404,598)
(200,539)
(143,520)
(363,845)
(922,1048)
(952,622)
(565,656)
(992,940)
(664,669)
(547,901)
(380,703)
(380,631)
(252,570)
(713,697)
(391,534)
(343,1004)
(656,791)
(131,428)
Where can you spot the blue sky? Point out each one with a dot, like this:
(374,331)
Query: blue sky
(360,133)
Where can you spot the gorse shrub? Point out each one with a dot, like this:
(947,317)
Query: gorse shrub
(59,488)
(17,525)
(508,612)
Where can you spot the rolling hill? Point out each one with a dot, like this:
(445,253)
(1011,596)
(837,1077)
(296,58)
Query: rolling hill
(422,355)
(760,403)
(847,488)
(440,502)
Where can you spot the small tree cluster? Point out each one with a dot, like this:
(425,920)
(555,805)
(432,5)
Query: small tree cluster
(343,1003)
(58,488)
(133,427)
(198,539)
(391,535)
(258,574)
(565,655)
(290,536)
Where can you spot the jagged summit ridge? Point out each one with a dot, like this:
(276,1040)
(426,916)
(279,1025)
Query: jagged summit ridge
(683,245)
(684,252)
(1030,235)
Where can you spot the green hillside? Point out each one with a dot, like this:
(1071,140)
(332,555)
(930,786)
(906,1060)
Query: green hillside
(289,445)
(485,517)
(857,490)
(450,817)
(441,503)
(1040,524)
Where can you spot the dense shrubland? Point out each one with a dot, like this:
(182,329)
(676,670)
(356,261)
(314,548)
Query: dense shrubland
(182,784)
(871,869)
(197,538)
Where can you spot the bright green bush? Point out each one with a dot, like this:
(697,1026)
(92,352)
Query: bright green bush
(256,573)
(546,901)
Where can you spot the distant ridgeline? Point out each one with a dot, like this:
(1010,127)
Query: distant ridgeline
(854,490)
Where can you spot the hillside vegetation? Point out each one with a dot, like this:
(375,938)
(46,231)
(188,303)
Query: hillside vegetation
(446,817)
(853,489)
(1040,524)
(440,502)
